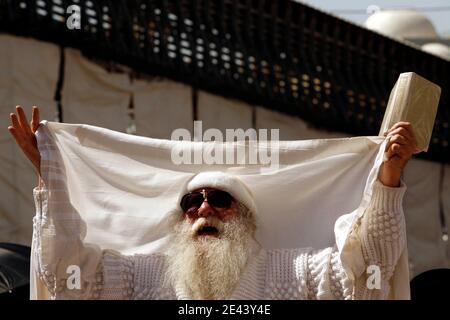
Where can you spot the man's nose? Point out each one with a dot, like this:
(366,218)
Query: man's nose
(205,210)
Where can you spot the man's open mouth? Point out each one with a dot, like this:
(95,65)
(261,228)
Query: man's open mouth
(208,231)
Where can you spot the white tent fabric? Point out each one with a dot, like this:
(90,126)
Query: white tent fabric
(291,128)
(28,76)
(122,188)
(92,95)
(421,203)
(220,113)
(161,106)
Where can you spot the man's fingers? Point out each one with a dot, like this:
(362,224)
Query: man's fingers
(403,132)
(402,124)
(23,120)
(402,129)
(399,139)
(396,139)
(389,153)
(394,150)
(403,151)
(399,124)
(22,116)
(399,129)
(14,132)
(411,145)
(14,121)
(35,119)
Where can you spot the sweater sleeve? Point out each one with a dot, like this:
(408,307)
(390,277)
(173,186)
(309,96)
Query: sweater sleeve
(382,237)
(382,233)
(325,277)
(69,268)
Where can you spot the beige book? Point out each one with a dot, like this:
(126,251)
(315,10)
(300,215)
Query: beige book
(413,99)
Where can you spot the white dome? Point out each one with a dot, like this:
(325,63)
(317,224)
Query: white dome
(438,49)
(402,23)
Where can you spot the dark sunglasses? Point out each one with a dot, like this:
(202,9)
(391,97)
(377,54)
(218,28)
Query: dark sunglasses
(215,198)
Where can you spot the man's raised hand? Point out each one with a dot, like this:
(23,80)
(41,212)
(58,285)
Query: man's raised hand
(401,146)
(24,134)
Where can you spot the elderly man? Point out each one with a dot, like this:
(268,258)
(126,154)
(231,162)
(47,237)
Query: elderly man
(214,255)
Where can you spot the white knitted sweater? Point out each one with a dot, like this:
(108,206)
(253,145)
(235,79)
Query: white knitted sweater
(270,274)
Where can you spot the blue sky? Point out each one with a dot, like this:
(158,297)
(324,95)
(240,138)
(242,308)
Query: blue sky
(440,19)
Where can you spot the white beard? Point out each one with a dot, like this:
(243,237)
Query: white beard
(210,267)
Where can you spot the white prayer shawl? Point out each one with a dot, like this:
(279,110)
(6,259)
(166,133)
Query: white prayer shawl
(122,188)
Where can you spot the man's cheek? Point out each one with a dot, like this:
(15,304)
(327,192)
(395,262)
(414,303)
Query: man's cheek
(190,215)
(228,214)
(191,219)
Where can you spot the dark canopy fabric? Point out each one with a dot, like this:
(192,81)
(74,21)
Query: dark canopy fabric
(431,285)
(14,271)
